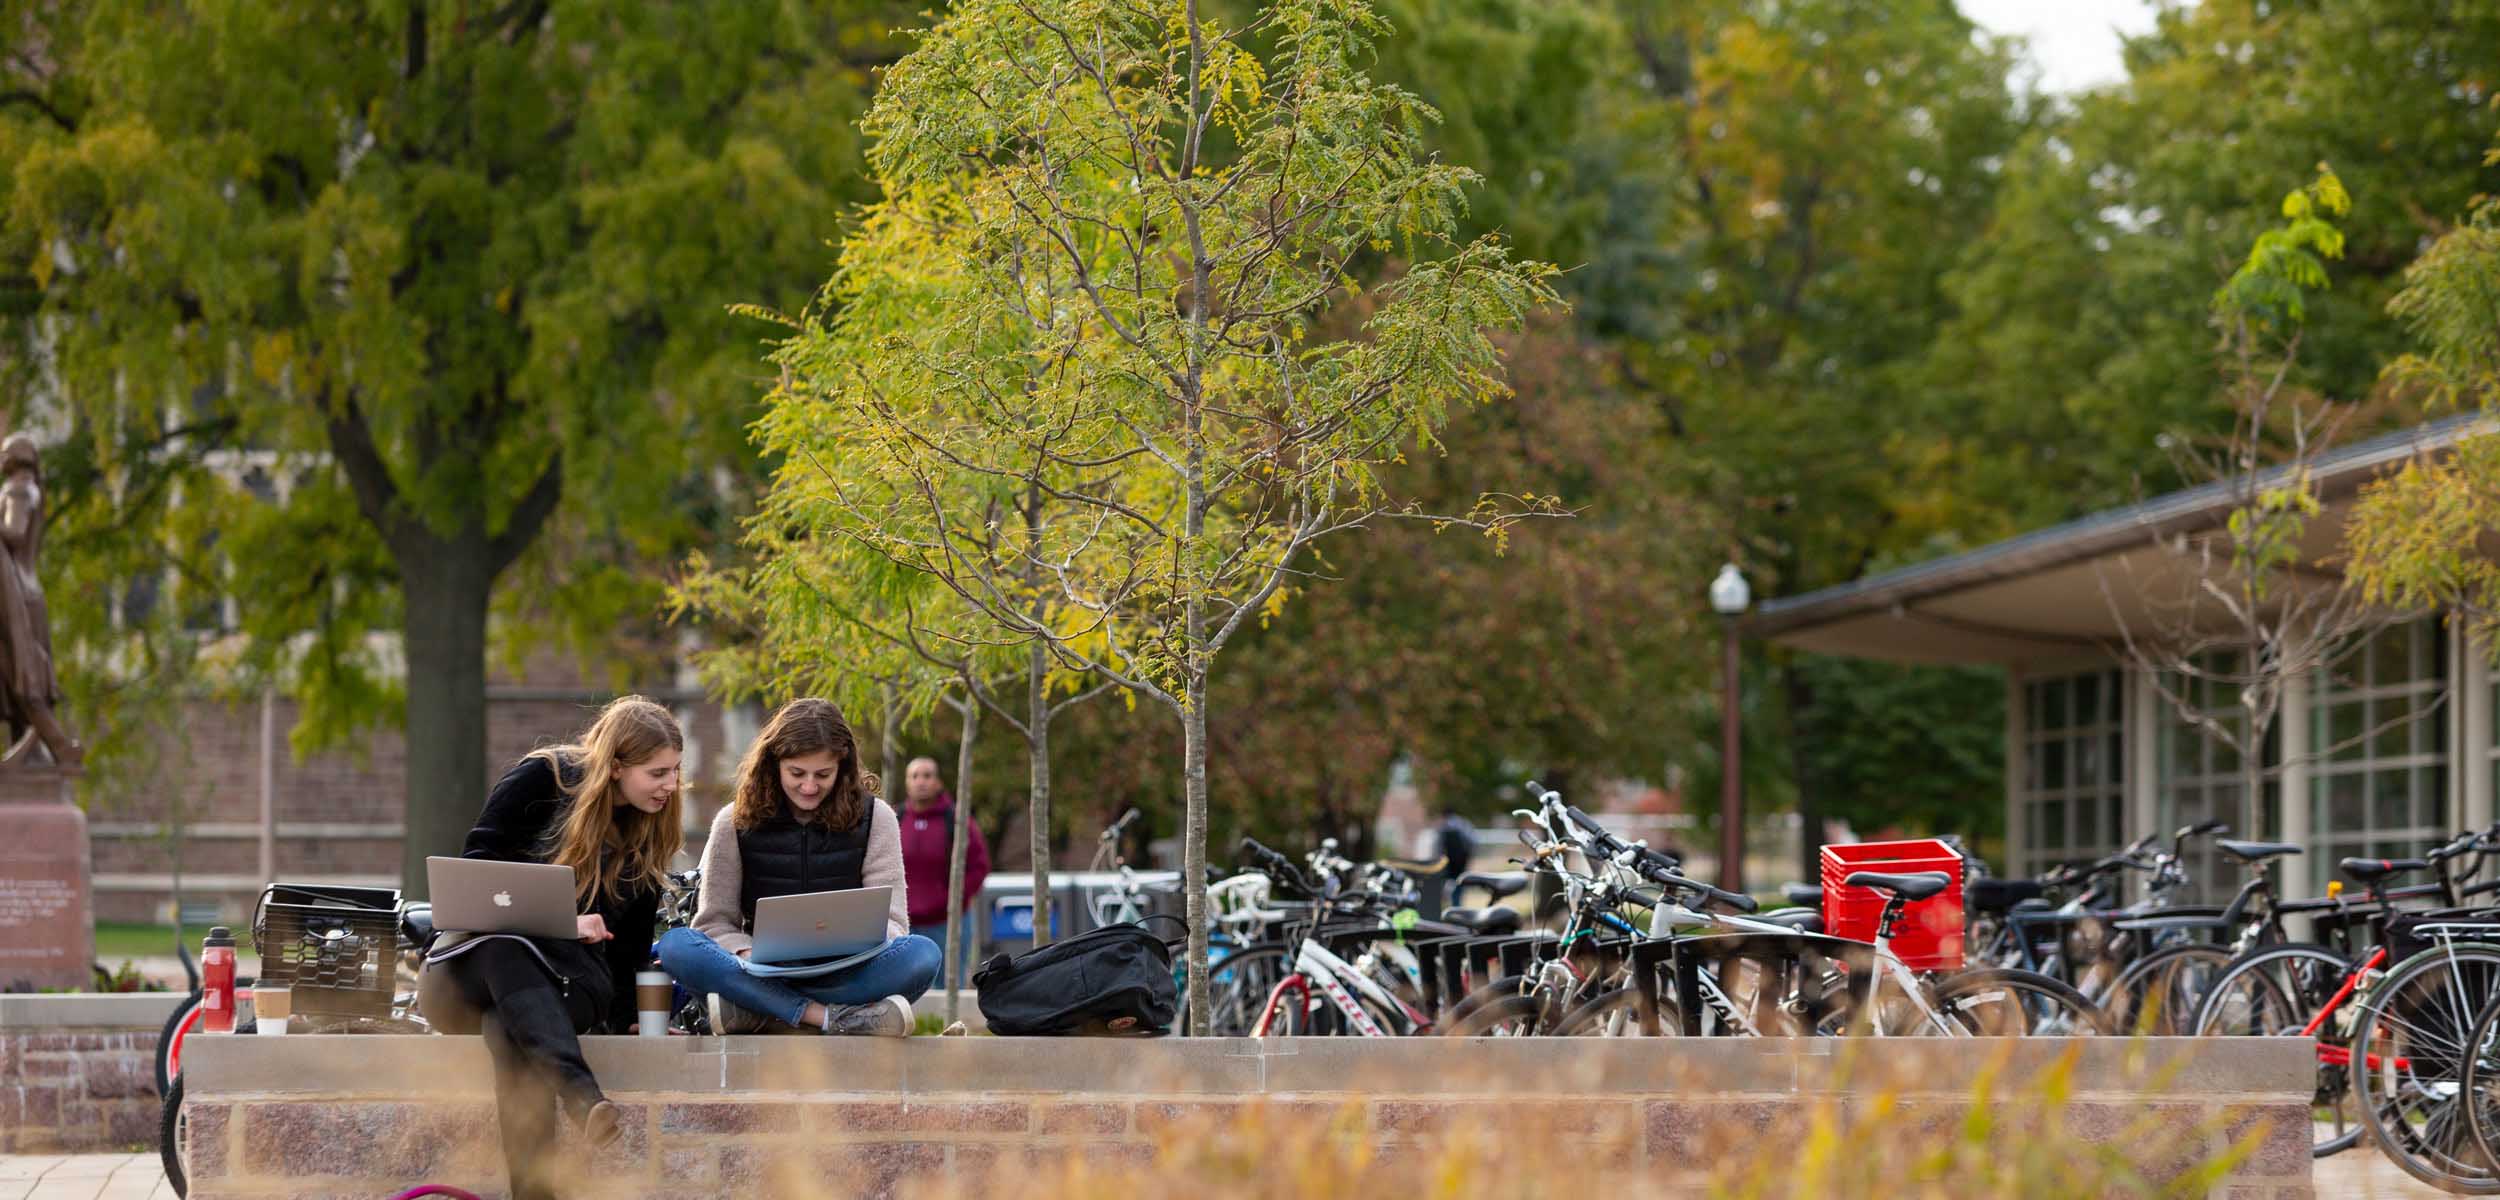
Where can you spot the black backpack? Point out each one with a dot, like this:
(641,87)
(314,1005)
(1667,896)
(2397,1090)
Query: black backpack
(1116,979)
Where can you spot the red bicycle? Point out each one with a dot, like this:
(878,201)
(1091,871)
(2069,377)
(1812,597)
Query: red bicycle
(2331,995)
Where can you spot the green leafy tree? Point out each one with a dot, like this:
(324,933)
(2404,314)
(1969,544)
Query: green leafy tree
(2418,539)
(457,274)
(1157,208)
(2081,332)
(1792,283)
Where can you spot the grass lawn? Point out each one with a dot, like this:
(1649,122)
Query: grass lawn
(115,941)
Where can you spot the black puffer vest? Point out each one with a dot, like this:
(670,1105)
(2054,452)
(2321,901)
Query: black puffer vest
(784,856)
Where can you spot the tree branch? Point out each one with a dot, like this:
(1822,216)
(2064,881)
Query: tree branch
(528,516)
(369,477)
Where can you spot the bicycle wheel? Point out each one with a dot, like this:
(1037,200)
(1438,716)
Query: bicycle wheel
(1998,1002)
(1484,994)
(2408,1054)
(169,1040)
(1620,1013)
(1238,988)
(170,1130)
(2158,995)
(2480,1085)
(1516,1015)
(2275,992)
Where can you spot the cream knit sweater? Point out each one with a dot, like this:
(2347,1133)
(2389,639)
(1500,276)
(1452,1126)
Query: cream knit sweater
(716,909)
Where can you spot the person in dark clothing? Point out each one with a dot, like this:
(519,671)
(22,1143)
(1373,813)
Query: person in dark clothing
(605,806)
(1457,844)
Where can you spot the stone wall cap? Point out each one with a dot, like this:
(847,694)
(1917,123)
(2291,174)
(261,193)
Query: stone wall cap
(792,1065)
(89,1010)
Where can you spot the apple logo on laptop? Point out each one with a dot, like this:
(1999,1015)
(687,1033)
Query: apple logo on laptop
(503,899)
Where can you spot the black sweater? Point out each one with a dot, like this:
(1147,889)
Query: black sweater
(519,825)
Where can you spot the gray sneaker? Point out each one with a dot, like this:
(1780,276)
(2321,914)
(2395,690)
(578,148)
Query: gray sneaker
(890,1017)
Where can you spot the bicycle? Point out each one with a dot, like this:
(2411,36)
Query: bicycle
(1598,945)
(2318,990)
(1783,972)
(1366,1007)
(325,944)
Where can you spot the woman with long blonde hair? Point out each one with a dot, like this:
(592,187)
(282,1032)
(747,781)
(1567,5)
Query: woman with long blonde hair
(805,819)
(606,806)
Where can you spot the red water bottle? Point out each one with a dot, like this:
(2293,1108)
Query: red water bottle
(217,981)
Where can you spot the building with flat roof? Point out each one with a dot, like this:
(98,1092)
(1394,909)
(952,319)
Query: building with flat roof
(2391,749)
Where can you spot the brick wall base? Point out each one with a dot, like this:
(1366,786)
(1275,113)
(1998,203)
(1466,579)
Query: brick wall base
(71,1090)
(806,1118)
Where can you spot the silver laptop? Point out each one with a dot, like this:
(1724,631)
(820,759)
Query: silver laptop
(477,895)
(790,929)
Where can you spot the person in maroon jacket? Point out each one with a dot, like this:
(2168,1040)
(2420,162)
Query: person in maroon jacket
(928,833)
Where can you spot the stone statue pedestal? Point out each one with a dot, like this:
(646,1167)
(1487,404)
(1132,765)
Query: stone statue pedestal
(47,913)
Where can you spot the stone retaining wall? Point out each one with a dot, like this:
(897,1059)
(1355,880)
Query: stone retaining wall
(308,1117)
(78,1072)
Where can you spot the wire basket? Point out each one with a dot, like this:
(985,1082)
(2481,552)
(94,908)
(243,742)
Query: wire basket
(336,948)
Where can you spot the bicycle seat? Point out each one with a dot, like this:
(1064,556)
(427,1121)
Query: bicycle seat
(2254,852)
(1483,920)
(1803,920)
(1801,893)
(2001,895)
(416,921)
(1917,885)
(1508,883)
(2371,870)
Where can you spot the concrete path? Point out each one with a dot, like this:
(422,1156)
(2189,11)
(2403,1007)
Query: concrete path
(83,1177)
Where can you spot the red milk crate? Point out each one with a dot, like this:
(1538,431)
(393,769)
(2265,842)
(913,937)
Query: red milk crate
(1929,937)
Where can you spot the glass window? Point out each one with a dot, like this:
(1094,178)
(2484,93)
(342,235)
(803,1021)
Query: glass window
(2380,787)
(2201,776)
(2074,782)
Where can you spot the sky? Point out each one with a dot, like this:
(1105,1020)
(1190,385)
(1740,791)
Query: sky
(2074,43)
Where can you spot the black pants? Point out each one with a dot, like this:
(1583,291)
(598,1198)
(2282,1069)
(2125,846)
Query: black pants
(532,1022)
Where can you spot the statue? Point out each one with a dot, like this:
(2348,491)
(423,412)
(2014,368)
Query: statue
(28,686)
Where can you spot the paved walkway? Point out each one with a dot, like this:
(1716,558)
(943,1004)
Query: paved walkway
(2352,1175)
(83,1177)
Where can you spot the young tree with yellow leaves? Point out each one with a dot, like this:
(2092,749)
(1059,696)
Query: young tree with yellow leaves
(1072,366)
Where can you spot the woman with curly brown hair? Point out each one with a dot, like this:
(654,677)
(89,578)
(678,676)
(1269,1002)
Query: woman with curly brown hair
(804,819)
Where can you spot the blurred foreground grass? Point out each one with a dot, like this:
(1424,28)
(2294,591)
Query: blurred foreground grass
(2030,1139)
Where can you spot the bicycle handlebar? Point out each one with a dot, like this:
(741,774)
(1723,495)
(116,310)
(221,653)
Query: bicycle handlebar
(1112,834)
(1656,867)
(1668,879)
(2199,829)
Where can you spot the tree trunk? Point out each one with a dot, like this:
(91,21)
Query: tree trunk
(889,750)
(955,852)
(446,591)
(1194,840)
(2251,817)
(1037,759)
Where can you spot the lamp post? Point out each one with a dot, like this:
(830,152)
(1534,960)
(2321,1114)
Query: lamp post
(1729,597)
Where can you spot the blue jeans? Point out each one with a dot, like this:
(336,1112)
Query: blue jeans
(964,961)
(906,968)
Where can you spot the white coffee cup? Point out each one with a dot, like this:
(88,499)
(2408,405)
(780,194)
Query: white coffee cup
(272,1007)
(654,993)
